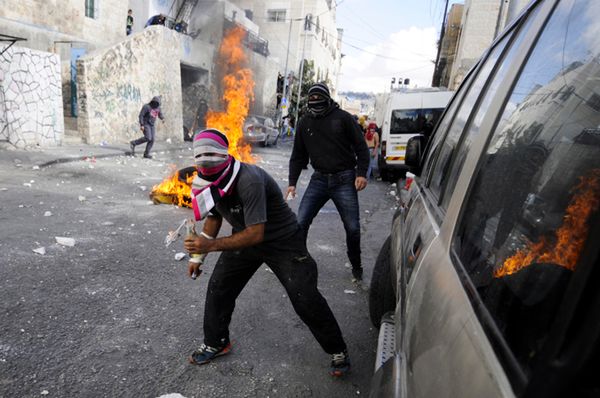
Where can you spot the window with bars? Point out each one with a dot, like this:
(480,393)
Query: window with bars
(276,15)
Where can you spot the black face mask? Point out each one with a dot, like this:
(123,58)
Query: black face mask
(153,104)
(318,106)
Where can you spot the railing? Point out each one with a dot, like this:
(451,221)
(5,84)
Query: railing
(252,40)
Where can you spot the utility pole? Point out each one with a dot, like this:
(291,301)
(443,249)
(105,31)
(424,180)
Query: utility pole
(436,70)
(285,77)
(301,70)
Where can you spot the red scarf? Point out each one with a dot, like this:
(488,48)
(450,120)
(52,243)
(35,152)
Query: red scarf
(371,130)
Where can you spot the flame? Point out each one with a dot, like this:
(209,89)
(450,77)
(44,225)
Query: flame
(173,190)
(238,91)
(569,238)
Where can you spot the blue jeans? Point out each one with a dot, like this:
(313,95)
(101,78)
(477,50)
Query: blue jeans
(372,163)
(340,188)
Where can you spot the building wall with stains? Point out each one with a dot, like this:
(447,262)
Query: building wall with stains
(114,84)
(31,113)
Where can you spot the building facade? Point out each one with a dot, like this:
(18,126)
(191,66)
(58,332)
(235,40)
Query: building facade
(449,45)
(480,23)
(296,30)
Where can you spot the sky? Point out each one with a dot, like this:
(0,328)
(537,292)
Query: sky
(397,38)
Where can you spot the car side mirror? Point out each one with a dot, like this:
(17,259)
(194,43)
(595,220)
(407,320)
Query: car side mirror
(414,153)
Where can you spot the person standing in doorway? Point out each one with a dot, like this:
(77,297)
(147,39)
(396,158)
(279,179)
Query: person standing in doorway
(147,119)
(129,28)
(333,142)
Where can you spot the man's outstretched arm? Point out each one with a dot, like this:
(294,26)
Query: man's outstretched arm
(250,236)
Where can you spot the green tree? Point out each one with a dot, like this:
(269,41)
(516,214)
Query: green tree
(308,79)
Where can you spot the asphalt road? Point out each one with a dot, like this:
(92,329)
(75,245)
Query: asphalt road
(115,315)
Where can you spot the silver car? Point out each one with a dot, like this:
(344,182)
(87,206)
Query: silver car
(260,130)
(488,285)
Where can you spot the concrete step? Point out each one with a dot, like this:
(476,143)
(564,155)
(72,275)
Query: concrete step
(70,139)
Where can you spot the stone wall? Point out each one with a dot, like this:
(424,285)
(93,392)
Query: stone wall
(113,84)
(31,112)
(44,22)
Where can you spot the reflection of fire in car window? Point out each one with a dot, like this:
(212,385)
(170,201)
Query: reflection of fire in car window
(536,198)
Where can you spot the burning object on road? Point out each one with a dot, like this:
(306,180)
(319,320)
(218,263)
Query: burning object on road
(175,189)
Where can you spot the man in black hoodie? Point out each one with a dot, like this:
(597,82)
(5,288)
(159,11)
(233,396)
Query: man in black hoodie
(147,119)
(333,142)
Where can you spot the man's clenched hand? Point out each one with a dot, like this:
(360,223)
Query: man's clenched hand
(360,183)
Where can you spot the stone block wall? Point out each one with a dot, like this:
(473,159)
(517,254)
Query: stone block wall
(31,110)
(114,83)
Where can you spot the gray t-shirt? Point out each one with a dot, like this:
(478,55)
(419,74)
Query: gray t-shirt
(257,199)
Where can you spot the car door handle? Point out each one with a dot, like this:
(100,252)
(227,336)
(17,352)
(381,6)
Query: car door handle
(415,250)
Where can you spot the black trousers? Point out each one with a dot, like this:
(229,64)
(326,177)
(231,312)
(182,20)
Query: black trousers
(297,272)
(149,134)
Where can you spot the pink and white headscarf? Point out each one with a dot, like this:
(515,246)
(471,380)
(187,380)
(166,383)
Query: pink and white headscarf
(217,171)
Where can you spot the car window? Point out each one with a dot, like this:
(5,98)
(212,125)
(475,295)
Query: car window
(477,117)
(536,195)
(414,121)
(447,147)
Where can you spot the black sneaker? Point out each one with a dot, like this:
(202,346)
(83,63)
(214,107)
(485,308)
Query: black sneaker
(340,364)
(205,354)
(148,156)
(357,273)
(132,147)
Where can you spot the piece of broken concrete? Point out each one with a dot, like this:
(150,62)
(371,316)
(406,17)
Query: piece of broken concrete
(179,256)
(61,240)
(40,250)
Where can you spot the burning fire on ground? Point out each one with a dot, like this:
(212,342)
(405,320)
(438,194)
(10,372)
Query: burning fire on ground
(173,190)
(566,246)
(238,92)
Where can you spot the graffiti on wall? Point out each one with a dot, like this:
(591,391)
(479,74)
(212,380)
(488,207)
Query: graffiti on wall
(117,82)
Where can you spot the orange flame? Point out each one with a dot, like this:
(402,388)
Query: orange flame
(173,190)
(238,91)
(569,238)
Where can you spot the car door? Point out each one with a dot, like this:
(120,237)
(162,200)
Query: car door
(442,339)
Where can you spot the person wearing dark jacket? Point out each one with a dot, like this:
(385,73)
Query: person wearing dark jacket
(333,142)
(147,119)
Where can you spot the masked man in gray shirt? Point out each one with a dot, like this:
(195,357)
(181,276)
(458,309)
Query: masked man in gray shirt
(265,230)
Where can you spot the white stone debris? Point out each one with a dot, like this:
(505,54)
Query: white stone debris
(47,213)
(347,265)
(367,211)
(268,270)
(27,184)
(168,141)
(179,256)
(143,187)
(393,185)
(44,392)
(40,250)
(172,395)
(36,167)
(393,193)
(108,223)
(81,198)
(348,291)
(61,240)
(88,189)
(3,189)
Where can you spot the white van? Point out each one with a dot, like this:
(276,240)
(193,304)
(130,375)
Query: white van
(407,114)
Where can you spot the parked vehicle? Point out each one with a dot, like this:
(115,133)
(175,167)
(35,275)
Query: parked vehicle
(407,113)
(488,283)
(260,130)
